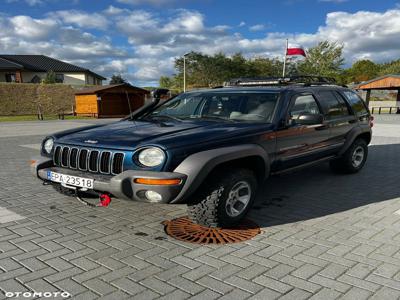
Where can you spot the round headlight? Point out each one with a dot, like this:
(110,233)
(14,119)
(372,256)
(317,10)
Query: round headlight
(48,145)
(151,157)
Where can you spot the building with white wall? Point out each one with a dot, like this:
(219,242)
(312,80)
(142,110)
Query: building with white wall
(33,69)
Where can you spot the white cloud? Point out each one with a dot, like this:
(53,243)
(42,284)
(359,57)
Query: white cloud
(149,2)
(29,28)
(257,27)
(112,10)
(82,19)
(154,40)
(29,2)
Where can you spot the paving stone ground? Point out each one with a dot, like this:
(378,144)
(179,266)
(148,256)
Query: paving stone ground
(324,236)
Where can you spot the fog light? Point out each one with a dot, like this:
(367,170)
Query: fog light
(153,196)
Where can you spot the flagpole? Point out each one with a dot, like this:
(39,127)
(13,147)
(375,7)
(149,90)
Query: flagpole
(284,60)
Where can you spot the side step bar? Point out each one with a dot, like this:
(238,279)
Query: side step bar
(292,169)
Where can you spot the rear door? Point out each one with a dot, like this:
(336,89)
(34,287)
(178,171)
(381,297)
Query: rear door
(338,115)
(298,144)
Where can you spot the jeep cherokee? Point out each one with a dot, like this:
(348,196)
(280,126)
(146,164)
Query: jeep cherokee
(211,148)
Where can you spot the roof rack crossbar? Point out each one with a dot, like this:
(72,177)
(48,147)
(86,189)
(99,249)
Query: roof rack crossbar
(268,81)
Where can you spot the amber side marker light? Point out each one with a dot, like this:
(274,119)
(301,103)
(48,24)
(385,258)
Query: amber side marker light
(151,181)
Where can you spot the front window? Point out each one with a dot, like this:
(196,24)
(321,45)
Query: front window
(59,78)
(244,106)
(11,77)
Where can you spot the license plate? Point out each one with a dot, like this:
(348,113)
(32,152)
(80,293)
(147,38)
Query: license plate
(70,180)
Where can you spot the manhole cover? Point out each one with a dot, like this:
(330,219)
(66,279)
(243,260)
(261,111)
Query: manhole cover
(183,229)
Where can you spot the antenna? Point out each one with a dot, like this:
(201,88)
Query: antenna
(129,104)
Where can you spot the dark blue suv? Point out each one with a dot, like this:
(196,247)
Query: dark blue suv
(211,148)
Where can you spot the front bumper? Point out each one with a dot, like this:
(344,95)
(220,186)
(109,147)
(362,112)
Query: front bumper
(121,185)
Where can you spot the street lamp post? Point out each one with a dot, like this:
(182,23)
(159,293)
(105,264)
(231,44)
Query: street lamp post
(184,72)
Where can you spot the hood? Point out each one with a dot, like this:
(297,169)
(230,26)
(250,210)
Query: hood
(128,135)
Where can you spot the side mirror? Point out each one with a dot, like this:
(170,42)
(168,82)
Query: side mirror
(159,93)
(309,119)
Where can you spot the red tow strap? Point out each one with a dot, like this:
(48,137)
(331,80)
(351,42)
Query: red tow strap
(105,200)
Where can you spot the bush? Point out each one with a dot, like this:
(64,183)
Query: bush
(27,98)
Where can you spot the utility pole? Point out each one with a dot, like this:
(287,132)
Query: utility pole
(184,72)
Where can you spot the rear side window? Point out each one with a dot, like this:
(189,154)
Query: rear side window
(335,107)
(356,103)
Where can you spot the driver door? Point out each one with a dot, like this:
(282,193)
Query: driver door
(297,143)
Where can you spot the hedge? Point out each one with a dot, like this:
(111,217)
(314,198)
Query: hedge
(28,98)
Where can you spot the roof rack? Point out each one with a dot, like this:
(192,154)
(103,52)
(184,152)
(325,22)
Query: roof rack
(306,80)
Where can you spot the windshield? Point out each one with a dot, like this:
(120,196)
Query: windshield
(248,106)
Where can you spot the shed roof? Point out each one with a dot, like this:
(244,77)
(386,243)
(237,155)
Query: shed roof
(386,82)
(42,63)
(121,88)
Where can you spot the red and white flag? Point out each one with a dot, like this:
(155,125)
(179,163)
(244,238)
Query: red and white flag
(295,50)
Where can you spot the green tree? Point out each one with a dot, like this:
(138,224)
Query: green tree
(392,67)
(362,70)
(325,59)
(117,79)
(50,78)
(260,66)
(166,82)
(212,70)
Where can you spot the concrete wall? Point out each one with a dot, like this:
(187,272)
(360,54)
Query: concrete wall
(74,78)
(28,76)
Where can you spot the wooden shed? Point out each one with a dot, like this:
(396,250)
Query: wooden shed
(109,101)
(387,82)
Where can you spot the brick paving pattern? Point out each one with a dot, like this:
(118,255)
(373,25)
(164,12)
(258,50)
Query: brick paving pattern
(324,236)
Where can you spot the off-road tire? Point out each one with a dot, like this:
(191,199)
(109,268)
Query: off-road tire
(208,206)
(344,165)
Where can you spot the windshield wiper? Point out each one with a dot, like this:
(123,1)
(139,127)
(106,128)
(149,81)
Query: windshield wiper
(150,117)
(217,118)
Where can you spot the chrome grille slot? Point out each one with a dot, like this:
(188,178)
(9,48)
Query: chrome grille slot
(65,157)
(93,157)
(73,158)
(57,154)
(92,160)
(83,157)
(105,160)
(117,163)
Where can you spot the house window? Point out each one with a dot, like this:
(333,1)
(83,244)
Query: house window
(59,78)
(10,77)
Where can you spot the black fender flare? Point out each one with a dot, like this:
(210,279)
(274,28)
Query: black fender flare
(199,165)
(352,135)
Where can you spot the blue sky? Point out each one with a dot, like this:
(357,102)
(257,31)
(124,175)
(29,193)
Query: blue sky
(141,38)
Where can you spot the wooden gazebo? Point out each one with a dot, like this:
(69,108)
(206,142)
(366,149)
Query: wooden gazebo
(387,82)
(109,100)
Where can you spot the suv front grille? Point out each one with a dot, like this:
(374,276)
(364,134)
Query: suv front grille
(92,160)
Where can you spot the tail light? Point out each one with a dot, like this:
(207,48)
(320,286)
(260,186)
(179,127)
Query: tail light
(371,121)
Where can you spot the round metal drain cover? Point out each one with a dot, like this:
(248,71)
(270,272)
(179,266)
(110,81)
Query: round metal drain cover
(183,229)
